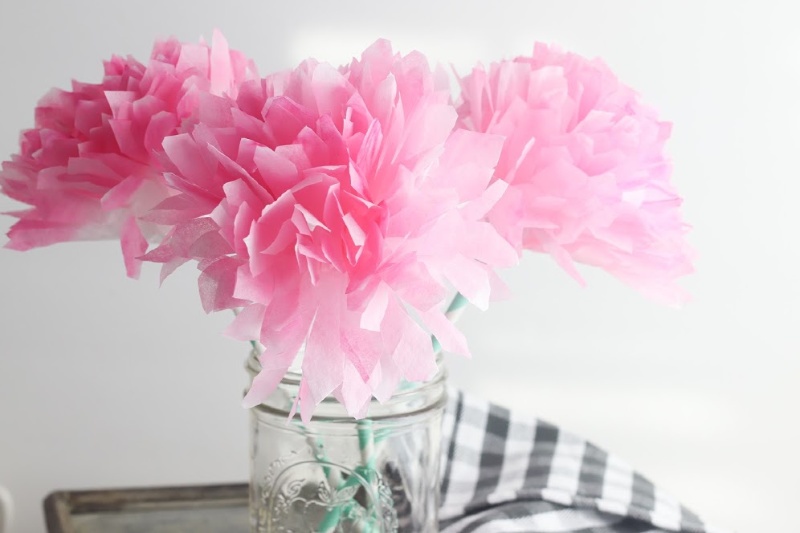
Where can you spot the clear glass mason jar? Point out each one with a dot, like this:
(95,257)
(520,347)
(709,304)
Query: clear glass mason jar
(336,474)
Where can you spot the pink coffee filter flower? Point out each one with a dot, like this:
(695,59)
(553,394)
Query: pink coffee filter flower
(584,161)
(336,207)
(90,167)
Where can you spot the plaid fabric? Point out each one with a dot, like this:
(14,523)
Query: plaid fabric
(504,473)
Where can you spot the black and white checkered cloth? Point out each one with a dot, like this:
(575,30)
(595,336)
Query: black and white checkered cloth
(509,473)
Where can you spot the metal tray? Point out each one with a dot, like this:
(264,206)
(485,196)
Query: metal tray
(195,509)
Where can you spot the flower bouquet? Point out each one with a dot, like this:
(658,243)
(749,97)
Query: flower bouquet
(346,216)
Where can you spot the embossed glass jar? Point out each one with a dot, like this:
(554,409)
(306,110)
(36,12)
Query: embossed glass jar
(337,474)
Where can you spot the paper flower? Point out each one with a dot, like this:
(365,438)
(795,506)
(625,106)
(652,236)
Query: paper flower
(90,166)
(336,207)
(584,161)
(336,210)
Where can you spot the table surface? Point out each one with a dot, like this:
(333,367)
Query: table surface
(196,509)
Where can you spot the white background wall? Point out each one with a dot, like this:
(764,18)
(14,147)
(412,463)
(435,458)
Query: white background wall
(107,382)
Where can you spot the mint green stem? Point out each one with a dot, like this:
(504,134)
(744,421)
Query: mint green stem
(366,445)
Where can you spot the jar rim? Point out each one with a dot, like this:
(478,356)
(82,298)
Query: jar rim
(433,391)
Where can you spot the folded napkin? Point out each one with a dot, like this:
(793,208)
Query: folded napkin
(504,472)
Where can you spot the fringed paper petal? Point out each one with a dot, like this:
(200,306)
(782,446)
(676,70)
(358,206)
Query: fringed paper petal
(97,147)
(134,245)
(446,333)
(335,200)
(588,180)
(247,324)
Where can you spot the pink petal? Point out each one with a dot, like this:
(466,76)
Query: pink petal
(216,283)
(279,173)
(273,368)
(323,365)
(414,353)
(134,245)
(356,394)
(247,324)
(375,310)
(470,279)
(186,155)
(220,74)
(448,335)
(120,195)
